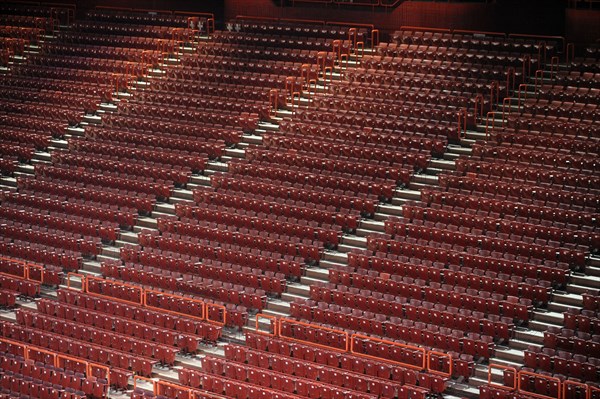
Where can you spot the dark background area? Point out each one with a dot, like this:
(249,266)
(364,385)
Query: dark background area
(540,17)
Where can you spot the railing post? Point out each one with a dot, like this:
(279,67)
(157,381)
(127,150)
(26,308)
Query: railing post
(577,386)
(274,324)
(81,277)
(362,49)
(305,72)
(344,63)
(321,61)
(178,388)
(294,95)
(91,366)
(510,78)
(274,100)
(526,63)
(353,36)
(570,52)
(462,123)
(541,53)
(507,100)
(220,309)
(290,86)
(503,368)
(330,70)
(210,26)
(479,104)
(494,94)
(539,74)
(487,124)
(522,88)
(313,83)
(554,60)
(374,38)
(436,371)
(337,49)
(150,381)
(536,375)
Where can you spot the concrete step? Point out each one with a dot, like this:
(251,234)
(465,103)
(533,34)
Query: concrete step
(6,188)
(17,174)
(89,118)
(42,156)
(345,248)
(384,211)
(204,180)
(406,194)
(319,273)
(547,316)
(25,169)
(271,312)
(234,152)
(418,186)
(567,299)
(424,179)
(475,135)
(145,222)
(360,232)
(215,166)
(370,225)
(354,240)
(540,326)
(558,307)
(295,290)
(339,256)
(593,265)
(266,125)
(92,266)
(108,107)
(587,281)
(121,243)
(253,138)
(310,280)
(593,271)
(444,164)
(433,171)
(328,264)
(448,156)
(158,214)
(75,131)
(482,371)
(579,289)
(513,357)
(8,182)
(57,143)
(164,207)
(480,378)
(520,345)
(279,306)
(532,337)
(128,237)
(460,390)
(110,251)
(178,200)
(182,193)
(456,149)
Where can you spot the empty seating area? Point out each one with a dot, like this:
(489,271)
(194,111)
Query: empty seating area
(291,208)
(29,378)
